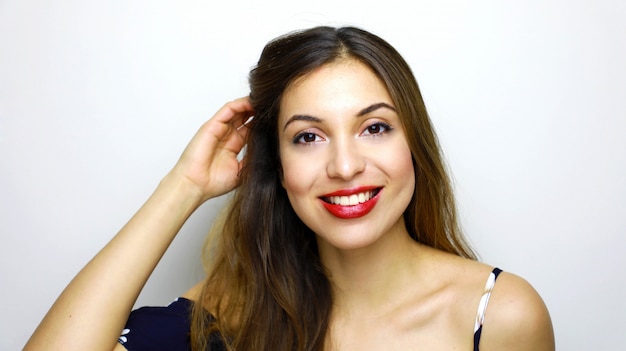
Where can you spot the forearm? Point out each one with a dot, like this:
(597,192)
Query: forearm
(93,308)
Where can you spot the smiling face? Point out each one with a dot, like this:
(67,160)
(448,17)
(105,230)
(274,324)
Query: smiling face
(347,168)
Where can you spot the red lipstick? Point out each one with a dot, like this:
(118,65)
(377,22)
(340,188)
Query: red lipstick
(347,211)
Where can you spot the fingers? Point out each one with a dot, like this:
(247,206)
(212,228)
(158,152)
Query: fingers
(229,120)
(235,112)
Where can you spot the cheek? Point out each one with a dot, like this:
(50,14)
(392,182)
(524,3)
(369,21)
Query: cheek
(297,184)
(406,165)
(398,160)
(402,170)
(294,174)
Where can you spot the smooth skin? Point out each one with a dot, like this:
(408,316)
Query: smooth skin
(94,307)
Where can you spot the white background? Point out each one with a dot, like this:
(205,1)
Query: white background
(98,99)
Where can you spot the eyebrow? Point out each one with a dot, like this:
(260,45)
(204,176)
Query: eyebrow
(375,107)
(361,113)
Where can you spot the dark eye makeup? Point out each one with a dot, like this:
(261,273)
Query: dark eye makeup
(375,129)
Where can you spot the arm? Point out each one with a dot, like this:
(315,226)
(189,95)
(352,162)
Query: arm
(91,311)
(517,318)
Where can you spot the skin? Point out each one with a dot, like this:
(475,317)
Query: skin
(390,292)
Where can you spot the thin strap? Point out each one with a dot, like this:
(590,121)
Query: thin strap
(482,306)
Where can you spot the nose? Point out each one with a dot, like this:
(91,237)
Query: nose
(345,160)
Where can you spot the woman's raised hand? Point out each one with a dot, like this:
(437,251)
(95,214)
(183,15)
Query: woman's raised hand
(92,310)
(209,161)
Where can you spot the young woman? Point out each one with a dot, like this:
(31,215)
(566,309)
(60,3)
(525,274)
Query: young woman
(341,233)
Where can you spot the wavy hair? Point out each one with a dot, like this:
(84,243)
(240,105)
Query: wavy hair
(266,287)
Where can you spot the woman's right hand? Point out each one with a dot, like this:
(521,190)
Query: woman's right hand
(92,310)
(209,162)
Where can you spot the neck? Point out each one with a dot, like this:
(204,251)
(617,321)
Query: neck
(373,277)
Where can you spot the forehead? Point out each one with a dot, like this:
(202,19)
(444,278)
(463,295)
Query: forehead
(343,85)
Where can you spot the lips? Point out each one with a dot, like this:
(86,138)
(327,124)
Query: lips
(351,203)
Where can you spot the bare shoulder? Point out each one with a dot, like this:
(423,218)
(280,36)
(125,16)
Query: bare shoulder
(517,318)
(194,293)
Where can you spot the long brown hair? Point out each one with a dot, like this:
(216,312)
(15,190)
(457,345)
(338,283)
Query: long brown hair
(266,287)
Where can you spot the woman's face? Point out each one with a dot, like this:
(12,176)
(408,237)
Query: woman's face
(347,168)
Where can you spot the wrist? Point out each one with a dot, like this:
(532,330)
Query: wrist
(181,190)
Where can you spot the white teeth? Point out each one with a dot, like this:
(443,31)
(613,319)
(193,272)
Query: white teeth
(351,200)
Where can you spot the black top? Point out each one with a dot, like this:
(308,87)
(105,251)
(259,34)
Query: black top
(162,328)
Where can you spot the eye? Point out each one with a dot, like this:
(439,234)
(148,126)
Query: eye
(306,138)
(377,129)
